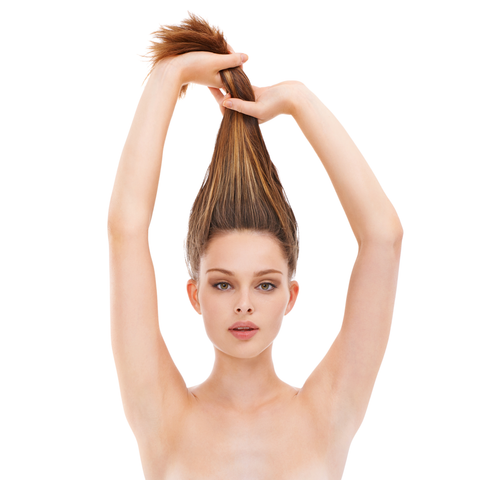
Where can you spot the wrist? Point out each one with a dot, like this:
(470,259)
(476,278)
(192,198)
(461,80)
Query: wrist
(167,69)
(298,97)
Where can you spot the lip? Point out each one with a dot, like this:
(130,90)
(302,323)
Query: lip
(243,335)
(246,334)
(243,324)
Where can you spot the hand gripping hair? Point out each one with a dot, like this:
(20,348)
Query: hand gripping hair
(241,189)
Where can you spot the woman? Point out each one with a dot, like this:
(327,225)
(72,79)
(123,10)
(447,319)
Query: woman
(243,422)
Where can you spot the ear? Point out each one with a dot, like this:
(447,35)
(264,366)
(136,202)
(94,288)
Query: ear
(294,288)
(192,290)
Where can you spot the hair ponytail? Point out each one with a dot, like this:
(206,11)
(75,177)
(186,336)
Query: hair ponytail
(241,189)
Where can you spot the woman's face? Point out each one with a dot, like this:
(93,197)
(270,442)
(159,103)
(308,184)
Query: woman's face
(243,277)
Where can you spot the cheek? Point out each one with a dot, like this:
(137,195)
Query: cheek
(276,304)
(217,316)
(276,311)
(214,307)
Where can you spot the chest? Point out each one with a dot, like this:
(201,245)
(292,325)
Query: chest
(281,443)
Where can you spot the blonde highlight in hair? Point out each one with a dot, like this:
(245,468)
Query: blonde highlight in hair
(241,189)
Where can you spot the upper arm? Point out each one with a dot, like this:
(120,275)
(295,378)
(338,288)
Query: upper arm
(150,383)
(346,375)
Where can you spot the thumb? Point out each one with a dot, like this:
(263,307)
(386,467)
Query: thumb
(242,106)
(232,60)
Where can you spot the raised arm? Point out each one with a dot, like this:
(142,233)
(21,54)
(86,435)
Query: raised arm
(347,373)
(152,389)
(146,372)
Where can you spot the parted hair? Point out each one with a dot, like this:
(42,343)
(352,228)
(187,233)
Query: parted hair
(241,189)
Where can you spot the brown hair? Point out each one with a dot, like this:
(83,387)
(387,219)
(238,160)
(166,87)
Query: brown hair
(241,189)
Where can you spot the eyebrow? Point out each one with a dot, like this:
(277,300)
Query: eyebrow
(255,274)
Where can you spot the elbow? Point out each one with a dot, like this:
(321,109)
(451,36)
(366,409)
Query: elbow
(397,240)
(387,234)
(123,229)
(397,233)
(126,221)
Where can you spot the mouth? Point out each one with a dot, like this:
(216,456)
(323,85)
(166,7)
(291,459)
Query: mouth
(243,333)
(243,326)
(243,330)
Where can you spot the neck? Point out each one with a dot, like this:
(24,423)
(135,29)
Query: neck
(243,383)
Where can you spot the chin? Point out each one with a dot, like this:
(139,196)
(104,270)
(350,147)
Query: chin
(242,348)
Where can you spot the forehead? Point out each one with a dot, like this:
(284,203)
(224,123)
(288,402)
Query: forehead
(244,251)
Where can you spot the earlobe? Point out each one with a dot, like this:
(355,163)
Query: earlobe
(192,291)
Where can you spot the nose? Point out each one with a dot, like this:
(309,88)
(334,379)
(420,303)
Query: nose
(244,305)
(244,310)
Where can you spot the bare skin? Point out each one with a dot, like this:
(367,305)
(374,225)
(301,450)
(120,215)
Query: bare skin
(243,422)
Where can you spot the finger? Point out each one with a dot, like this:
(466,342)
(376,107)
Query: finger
(231,50)
(217,93)
(219,97)
(232,60)
(225,98)
(242,106)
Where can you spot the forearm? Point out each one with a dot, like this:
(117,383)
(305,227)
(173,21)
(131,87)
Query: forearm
(369,211)
(136,182)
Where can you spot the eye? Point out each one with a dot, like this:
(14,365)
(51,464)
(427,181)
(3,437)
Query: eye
(222,285)
(266,286)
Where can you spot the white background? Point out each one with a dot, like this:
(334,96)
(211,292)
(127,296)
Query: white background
(402,77)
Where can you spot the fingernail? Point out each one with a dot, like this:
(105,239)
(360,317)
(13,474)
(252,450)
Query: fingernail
(244,57)
(227,103)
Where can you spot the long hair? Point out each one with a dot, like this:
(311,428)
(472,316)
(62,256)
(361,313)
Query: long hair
(241,189)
